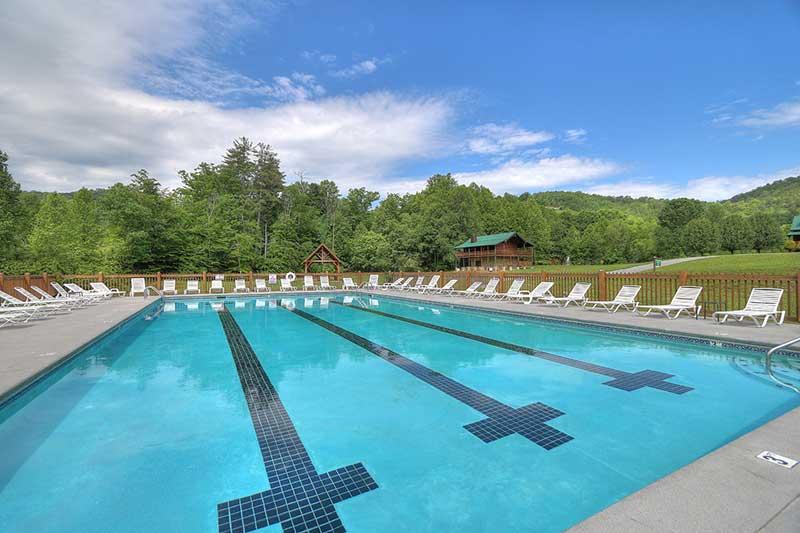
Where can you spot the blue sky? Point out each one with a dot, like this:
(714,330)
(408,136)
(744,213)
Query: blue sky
(662,99)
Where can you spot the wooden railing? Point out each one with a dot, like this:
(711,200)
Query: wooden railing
(721,291)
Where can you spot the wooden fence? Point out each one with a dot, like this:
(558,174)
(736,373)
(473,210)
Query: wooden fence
(721,291)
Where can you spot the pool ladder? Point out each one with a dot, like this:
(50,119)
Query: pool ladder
(768,364)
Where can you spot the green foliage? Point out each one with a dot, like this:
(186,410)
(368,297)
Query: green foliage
(240,215)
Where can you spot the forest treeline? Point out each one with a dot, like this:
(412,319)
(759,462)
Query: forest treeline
(242,215)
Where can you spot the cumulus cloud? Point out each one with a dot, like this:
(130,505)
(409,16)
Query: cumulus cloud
(92,92)
(517,175)
(504,138)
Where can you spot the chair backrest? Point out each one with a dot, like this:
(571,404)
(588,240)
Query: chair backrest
(579,290)
(348,283)
(169,285)
(193,284)
(541,289)
(373,280)
(491,286)
(324,281)
(286,284)
(99,287)
(137,284)
(764,300)
(261,283)
(216,284)
(239,284)
(474,286)
(59,289)
(74,288)
(308,281)
(10,299)
(434,281)
(686,296)
(28,296)
(419,281)
(627,294)
(407,282)
(43,293)
(516,285)
(450,284)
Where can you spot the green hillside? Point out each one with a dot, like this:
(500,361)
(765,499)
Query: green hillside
(780,198)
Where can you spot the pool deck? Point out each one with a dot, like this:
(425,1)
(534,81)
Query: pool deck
(730,489)
(30,350)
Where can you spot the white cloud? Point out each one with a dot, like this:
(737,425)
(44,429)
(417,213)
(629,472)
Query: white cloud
(76,109)
(328,59)
(786,114)
(504,138)
(709,188)
(368,66)
(576,136)
(519,175)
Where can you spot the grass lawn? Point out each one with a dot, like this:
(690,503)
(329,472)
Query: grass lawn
(784,264)
(578,268)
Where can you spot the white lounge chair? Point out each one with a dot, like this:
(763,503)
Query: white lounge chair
(325,283)
(216,286)
(239,285)
(625,298)
(685,300)
(261,285)
(396,284)
(100,287)
(448,288)
(348,285)
(308,283)
(138,287)
(46,296)
(168,287)
(542,290)
(469,291)
(417,284)
(406,284)
(76,290)
(10,317)
(514,291)
(489,291)
(372,283)
(432,284)
(34,309)
(192,287)
(286,285)
(762,303)
(577,296)
(69,304)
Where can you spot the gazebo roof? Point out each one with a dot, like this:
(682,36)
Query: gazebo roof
(321,254)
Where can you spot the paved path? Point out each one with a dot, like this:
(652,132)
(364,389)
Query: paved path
(29,350)
(666,262)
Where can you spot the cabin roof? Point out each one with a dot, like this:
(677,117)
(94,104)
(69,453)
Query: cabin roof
(491,240)
(795,229)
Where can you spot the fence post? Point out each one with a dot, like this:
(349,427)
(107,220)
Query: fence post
(469,279)
(205,288)
(158,279)
(682,277)
(45,280)
(27,280)
(796,300)
(251,278)
(502,281)
(101,278)
(601,285)
(2,282)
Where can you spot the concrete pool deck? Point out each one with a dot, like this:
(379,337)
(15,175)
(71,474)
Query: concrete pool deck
(728,490)
(30,350)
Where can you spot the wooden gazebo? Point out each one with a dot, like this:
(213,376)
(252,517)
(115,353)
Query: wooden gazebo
(322,255)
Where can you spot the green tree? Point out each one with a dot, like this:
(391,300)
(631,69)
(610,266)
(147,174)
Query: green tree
(736,233)
(370,251)
(700,236)
(10,213)
(766,232)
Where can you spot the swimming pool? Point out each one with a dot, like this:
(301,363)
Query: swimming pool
(365,414)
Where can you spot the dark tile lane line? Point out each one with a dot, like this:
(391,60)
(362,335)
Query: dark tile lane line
(503,420)
(627,381)
(300,499)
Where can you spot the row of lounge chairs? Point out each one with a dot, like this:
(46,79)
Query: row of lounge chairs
(38,303)
(260,285)
(762,305)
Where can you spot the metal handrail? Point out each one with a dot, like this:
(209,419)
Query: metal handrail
(768,364)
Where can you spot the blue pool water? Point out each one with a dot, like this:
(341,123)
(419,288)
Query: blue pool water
(404,417)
